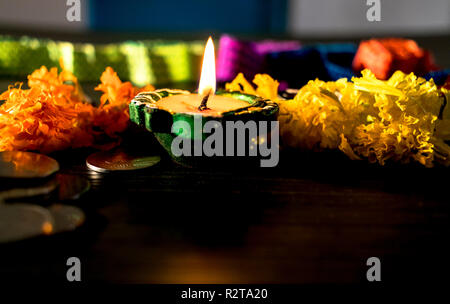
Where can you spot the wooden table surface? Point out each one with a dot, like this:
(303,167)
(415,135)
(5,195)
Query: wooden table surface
(315,218)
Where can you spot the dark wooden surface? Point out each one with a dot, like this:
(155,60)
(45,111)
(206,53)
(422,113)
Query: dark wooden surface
(315,218)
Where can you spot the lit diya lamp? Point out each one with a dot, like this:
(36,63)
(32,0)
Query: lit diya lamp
(183,121)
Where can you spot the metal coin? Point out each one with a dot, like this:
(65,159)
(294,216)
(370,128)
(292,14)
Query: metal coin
(66,218)
(22,221)
(71,187)
(119,160)
(18,164)
(20,193)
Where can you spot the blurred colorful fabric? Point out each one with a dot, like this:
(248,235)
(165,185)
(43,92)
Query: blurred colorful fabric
(142,62)
(247,57)
(385,56)
(164,62)
(323,61)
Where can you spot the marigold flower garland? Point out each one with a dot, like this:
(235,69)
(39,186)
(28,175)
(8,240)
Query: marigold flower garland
(53,114)
(400,119)
(396,119)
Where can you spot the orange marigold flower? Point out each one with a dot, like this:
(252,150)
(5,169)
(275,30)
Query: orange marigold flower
(53,113)
(112,115)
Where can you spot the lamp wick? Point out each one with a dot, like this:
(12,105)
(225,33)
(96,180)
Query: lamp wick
(205,98)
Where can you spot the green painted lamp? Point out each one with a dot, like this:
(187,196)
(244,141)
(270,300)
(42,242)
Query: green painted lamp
(178,115)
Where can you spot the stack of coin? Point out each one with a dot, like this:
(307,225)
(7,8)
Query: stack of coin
(19,221)
(27,179)
(23,165)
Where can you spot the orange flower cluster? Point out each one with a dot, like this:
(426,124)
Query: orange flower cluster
(53,114)
(112,115)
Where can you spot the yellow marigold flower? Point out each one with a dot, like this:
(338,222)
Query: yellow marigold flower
(396,119)
(240,84)
(267,87)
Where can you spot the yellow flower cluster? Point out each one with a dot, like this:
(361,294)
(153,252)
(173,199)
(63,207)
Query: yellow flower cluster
(396,119)
(266,86)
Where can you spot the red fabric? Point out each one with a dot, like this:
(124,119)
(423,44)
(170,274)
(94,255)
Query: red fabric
(385,56)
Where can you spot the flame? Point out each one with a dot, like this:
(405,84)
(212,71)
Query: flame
(207,83)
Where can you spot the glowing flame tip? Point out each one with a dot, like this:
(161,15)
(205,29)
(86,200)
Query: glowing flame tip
(207,83)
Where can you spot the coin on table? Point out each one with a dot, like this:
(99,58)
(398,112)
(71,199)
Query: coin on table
(18,164)
(66,217)
(21,221)
(22,192)
(119,160)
